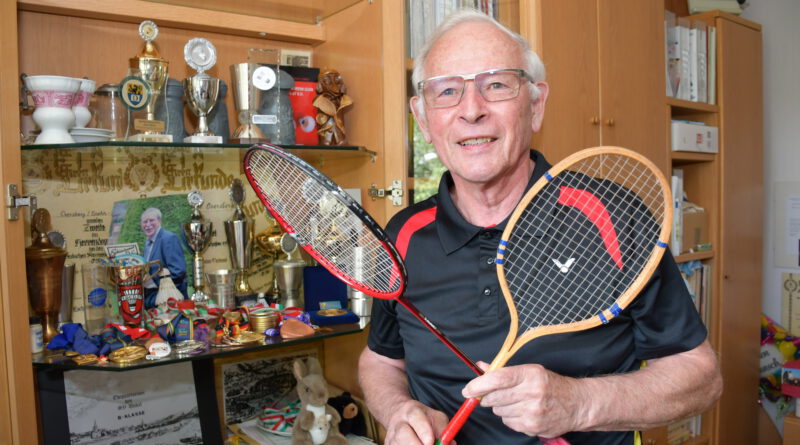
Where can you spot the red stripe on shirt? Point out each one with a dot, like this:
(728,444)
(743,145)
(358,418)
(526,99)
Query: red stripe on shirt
(413,224)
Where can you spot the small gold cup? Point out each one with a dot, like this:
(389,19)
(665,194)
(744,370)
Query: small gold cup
(261,321)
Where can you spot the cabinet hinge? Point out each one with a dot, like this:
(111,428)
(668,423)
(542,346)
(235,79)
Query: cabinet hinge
(14,201)
(395,191)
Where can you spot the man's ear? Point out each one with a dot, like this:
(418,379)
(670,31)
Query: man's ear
(537,106)
(419,115)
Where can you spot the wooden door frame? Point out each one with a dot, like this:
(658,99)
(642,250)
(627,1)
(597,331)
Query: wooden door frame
(17,396)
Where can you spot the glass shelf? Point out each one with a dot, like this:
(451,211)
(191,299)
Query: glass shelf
(160,147)
(57,360)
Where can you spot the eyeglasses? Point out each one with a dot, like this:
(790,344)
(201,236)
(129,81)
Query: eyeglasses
(493,86)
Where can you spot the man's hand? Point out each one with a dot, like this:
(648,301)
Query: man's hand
(529,398)
(535,401)
(415,424)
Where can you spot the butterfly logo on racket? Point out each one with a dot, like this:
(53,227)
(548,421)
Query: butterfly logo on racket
(564,268)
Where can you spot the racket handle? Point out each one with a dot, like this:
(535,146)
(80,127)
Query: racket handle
(458,420)
(554,441)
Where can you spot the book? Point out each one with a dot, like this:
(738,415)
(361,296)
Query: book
(711,56)
(684,25)
(701,36)
(697,63)
(677,198)
(672,53)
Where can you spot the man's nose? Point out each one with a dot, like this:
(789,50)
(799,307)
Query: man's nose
(473,105)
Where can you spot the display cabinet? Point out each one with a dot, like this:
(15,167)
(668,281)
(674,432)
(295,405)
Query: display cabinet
(95,39)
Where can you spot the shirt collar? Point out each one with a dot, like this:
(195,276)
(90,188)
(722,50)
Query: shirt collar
(453,230)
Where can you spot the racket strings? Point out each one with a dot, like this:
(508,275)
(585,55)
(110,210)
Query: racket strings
(611,231)
(319,218)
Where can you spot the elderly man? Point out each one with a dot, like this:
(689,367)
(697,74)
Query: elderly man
(481,94)
(163,245)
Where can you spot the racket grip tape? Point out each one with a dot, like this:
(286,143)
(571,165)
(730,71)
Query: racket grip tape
(457,421)
(553,441)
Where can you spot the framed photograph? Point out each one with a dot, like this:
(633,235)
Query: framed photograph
(167,404)
(248,382)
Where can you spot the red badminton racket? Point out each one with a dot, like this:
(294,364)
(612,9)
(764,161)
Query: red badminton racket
(333,228)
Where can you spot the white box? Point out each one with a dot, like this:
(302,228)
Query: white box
(694,136)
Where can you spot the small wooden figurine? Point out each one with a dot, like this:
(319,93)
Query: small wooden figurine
(330,102)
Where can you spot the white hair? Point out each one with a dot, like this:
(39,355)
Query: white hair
(533,64)
(152,211)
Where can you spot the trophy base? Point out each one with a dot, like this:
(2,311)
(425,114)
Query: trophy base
(150,137)
(201,139)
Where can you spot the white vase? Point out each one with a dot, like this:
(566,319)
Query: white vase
(81,105)
(53,97)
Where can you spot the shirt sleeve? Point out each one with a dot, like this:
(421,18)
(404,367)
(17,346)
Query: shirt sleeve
(666,320)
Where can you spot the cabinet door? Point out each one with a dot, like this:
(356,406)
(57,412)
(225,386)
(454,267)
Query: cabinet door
(564,33)
(631,57)
(605,67)
(742,151)
(17,404)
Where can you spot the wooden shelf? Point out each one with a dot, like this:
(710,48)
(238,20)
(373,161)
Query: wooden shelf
(700,256)
(182,17)
(686,105)
(688,157)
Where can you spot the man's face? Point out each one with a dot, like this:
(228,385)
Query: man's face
(479,141)
(150,224)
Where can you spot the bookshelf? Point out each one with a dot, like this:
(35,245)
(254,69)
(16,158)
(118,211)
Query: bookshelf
(606,69)
(729,186)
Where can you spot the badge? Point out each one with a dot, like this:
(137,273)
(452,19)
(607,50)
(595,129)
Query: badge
(134,92)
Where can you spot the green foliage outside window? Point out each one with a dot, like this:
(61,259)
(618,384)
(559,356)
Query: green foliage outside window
(428,168)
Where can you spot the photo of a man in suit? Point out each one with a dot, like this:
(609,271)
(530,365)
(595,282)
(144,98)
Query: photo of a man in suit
(165,246)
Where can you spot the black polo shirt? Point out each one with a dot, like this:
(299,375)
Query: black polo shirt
(452,279)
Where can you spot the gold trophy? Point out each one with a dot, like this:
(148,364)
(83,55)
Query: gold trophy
(44,262)
(201,90)
(198,234)
(154,71)
(239,231)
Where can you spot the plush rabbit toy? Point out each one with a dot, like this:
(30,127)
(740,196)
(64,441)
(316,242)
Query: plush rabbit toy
(317,423)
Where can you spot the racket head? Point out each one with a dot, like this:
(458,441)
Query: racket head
(326,222)
(582,243)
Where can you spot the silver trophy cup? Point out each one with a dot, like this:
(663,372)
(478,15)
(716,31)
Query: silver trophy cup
(246,99)
(201,92)
(240,234)
(198,233)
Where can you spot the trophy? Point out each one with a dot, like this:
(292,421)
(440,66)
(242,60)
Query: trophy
(240,234)
(154,72)
(198,234)
(248,81)
(44,262)
(201,90)
(289,273)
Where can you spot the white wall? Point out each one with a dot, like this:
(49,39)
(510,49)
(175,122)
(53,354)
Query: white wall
(781,38)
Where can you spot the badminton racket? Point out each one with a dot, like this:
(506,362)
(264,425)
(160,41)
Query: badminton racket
(333,228)
(578,248)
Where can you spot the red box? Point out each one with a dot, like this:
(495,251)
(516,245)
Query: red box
(302,98)
(790,378)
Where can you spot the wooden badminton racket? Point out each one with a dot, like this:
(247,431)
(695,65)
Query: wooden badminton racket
(578,248)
